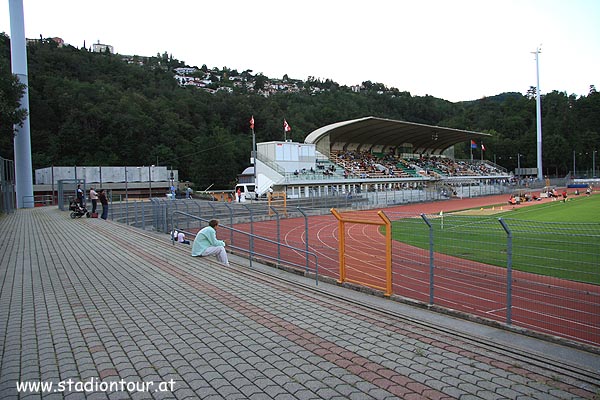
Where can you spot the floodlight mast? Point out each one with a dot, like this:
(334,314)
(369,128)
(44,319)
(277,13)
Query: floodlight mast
(22,139)
(538,115)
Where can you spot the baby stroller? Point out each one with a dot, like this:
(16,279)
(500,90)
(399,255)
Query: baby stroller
(77,210)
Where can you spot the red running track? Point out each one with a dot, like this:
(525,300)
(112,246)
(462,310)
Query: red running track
(544,304)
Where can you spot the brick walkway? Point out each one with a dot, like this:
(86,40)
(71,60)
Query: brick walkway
(100,310)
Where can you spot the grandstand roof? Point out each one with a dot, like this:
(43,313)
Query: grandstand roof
(370,133)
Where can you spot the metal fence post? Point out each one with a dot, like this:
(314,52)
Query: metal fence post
(164,213)
(230,221)
(251,244)
(155,211)
(128,217)
(431,259)
(167,208)
(278,234)
(305,233)
(143,216)
(111,209)
(135,213)
(508,270)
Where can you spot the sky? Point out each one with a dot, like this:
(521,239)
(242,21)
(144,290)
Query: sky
(456,50)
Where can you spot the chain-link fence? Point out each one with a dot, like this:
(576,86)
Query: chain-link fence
(536,275)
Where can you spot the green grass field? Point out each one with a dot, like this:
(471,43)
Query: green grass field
(553,238)
(576,209)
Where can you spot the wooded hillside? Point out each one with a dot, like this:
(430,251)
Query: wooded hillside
(100,109)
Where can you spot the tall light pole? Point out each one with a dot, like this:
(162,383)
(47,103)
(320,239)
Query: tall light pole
(253,155)
(22,133)
(538,114)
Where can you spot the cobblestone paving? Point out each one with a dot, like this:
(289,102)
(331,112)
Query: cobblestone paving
(102,311)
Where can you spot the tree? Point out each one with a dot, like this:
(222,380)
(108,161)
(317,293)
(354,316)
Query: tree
(259,81)
(11,92)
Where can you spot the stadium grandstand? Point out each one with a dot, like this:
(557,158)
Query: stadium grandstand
(370,156)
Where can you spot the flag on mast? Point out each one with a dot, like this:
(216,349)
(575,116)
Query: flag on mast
(252,123)
(482,147)
(473,144)
(286,129)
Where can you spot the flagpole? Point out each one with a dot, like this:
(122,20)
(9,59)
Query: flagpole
(481,151)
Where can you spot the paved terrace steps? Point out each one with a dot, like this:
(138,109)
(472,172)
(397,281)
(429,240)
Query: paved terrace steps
(95,301)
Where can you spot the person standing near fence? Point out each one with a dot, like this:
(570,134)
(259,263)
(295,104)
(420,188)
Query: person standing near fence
(80,195)
(207,244)
(94,198)
(104,202)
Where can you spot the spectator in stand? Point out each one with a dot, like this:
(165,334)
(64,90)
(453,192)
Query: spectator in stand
(180,237)
(207,244)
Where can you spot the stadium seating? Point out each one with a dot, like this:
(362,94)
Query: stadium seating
(363,164)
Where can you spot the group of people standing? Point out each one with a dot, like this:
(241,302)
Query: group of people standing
(94,197)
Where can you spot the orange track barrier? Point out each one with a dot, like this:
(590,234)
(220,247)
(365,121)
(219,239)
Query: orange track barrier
(388,249)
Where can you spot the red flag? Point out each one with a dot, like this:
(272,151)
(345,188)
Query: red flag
(286,126)
(482,147)
(252,123)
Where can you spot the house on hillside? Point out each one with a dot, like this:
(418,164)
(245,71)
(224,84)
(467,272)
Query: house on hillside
(102,48)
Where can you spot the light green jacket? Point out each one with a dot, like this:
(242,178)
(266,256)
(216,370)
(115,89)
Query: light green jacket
(204,239)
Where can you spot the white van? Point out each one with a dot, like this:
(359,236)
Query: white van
(246,191)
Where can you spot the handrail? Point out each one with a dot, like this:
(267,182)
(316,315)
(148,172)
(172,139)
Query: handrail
(270,163)
(251,251)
